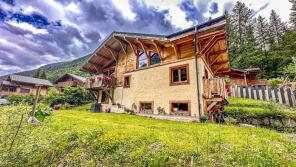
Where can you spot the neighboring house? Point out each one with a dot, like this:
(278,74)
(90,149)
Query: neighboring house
(23,85)
(146,72)
(246,77)
(69,80)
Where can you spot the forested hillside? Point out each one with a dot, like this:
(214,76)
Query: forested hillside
(55,70)
(268,43)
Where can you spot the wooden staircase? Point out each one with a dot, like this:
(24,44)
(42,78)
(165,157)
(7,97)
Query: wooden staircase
(214,92)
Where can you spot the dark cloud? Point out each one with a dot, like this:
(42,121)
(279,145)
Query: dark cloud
(214,8)
(35,19)
(10,2)
(195,12)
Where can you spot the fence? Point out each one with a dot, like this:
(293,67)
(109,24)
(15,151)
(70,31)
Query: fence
(280,95)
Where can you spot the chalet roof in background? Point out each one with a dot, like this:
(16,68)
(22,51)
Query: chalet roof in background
(29,80)
(82,79)
(7,83)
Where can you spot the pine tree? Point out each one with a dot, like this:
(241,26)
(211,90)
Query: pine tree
(276,28)
(43,75)
(37,73)
(241,18)
(261,34)
(293,14)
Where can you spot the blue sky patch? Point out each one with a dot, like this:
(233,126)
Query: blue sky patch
(10,2)
(2,14)
(36,20)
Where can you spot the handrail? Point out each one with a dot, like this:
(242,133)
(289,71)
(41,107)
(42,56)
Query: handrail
(214,87)
(100,81)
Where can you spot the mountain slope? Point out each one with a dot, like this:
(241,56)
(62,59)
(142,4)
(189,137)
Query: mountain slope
(55,70)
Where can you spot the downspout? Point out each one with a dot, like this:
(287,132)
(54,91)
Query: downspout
(196,72)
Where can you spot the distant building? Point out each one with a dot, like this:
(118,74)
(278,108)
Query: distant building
(69,80)
(245,77)
(23,85)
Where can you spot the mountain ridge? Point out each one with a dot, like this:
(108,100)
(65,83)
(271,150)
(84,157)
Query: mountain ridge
(56,70)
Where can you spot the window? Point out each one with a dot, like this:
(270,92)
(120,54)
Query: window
(12,89)
(127,81)
(146,107)
(142,59)
(105,98)
(154,58)
(180,107)
(23,90)
(179,75)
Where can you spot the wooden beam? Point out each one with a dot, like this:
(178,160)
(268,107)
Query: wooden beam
(214,60)
(131,45)
(108,63)
(219,68)
(102,56)
(121,43)
(144,49)
(112,52)
(220,63)
(209,44)
(218,52)
(176,49)
(96,66)
(157,48)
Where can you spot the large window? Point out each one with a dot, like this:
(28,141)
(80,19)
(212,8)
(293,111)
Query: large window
(146,107)
(179,75)
(142,59)
(180,107)
(154,58)
(23,90)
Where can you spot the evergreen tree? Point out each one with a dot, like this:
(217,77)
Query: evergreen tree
(37,73)
(276,28)
(43,75)
(293,14)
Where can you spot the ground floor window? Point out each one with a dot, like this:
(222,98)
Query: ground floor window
(180,107)
(23,90)
(146,107)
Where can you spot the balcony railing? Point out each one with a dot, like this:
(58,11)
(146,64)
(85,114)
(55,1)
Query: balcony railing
(214,87)
(100,81)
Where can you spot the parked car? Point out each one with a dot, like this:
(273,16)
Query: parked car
(4,102)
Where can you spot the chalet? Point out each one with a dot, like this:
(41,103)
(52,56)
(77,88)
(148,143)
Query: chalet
(23,85)
(175,74)
(69,80)
(245,77)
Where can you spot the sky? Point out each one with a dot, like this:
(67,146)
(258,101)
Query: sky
(38,32)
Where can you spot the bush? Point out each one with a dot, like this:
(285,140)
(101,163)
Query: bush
(161,110)
(76,96)
(43,111)
(17,99)
(71,95)
(275,82)
(203,119)
(129,111)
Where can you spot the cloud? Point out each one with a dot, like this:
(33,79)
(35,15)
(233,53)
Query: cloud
(214,8)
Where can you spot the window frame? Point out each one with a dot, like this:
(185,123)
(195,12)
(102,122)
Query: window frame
(188,102)
(21,90)
(124,83)
(146,102)
(179,67)
(150,58)
(138,61)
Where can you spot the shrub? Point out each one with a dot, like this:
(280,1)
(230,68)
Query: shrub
(129,111)
(17,99)
(43,111)
(161,110)
(230,121)
(275,82)
(76,96)
(203,119)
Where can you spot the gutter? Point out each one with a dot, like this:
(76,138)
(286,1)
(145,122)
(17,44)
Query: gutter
(197,75)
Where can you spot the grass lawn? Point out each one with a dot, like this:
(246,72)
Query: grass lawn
(239,107)
(80,138)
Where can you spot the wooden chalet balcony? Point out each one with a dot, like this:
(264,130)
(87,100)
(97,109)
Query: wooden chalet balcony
(66,84)
(214,88)
(100,82)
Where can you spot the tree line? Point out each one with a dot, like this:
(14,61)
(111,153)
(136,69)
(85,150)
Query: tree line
(267,43)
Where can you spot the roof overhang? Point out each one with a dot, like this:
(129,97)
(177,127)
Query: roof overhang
(107,54)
